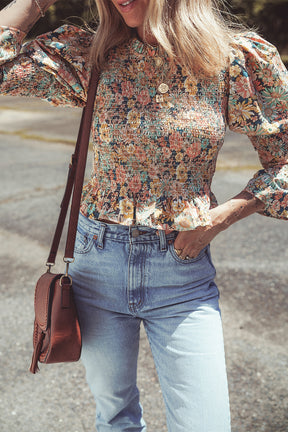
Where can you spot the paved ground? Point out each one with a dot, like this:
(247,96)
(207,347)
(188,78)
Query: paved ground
(251,259)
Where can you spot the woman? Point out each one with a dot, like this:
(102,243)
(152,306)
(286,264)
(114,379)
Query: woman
(172,76)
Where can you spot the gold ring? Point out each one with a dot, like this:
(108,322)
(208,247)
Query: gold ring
(178,251)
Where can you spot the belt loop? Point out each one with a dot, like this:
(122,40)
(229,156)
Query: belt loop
(101,236)
(163,241)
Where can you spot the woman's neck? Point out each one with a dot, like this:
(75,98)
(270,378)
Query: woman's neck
(146,37)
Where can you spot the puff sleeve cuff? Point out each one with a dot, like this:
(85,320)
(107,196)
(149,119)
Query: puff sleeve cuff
(10,43)
(258,107)
(54,66)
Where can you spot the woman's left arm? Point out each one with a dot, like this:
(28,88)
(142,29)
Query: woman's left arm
(258,107)
(190,243)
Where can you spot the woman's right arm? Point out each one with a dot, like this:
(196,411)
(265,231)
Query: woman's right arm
(23,14)
(54,66)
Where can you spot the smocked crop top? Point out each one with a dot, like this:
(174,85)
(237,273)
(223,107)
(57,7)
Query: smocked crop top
(154,158)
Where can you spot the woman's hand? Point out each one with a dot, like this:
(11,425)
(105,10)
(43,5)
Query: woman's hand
(188,244)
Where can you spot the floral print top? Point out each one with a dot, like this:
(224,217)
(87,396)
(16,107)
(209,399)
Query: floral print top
(155,155)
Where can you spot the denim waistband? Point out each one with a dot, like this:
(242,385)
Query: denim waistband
(123,233)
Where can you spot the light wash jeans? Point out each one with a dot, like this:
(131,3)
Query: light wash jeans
(122,278)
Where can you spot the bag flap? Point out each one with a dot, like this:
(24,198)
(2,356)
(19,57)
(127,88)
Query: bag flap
(43,297)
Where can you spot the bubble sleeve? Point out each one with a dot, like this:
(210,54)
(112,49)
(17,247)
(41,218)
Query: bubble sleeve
(54,66)
(258,107)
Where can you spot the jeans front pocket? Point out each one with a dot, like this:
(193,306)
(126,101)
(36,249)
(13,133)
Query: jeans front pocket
(84,242)
(188,260)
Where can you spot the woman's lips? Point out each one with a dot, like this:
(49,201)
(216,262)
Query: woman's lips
(126,5)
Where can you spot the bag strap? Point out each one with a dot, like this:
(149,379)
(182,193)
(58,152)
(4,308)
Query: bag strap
(75,178)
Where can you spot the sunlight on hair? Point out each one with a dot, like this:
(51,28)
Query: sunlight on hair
(194,32)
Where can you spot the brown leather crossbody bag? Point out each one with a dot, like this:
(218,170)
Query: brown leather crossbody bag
(57,335)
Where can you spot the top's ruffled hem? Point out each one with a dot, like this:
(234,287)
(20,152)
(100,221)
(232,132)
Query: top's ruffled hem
(192,216)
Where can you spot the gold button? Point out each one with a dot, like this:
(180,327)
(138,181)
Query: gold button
(163,88)
(158,61)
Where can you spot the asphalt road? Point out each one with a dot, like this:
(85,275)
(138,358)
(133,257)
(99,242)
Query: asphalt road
(251,258)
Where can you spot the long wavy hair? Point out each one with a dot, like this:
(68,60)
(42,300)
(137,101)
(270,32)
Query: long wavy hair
(192,31)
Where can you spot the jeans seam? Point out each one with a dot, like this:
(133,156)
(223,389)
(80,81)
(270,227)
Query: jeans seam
(157,370)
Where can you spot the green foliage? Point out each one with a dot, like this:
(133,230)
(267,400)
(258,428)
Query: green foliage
(268,16)
(63,12)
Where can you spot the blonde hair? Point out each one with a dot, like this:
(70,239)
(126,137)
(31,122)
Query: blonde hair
(191,31)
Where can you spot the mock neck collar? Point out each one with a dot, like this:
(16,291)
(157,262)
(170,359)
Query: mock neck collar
(145,48)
